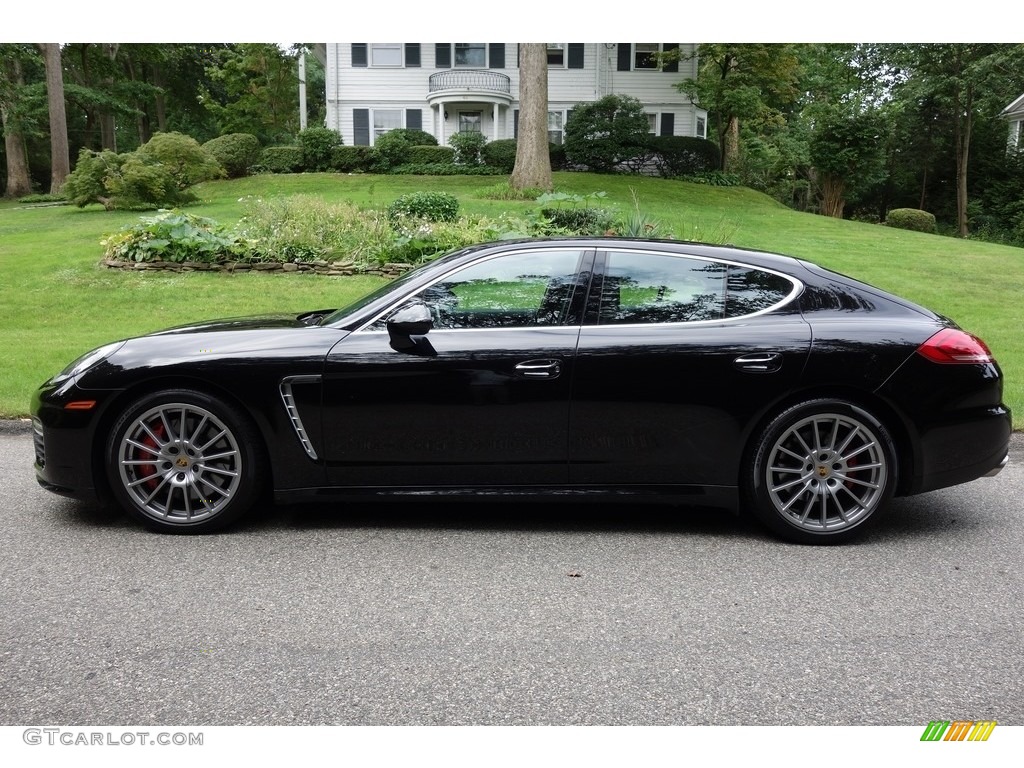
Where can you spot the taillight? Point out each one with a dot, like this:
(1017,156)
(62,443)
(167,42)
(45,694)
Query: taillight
(953,346)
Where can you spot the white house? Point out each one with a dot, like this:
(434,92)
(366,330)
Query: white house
(1015,115)
(443,88)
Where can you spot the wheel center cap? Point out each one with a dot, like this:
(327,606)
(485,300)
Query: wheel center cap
(822,471)
(181,462)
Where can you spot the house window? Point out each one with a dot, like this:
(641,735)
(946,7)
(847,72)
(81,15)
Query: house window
(556,54)
(469,122)
(556,123)
(702,127)
(386,54)
(645,55)
(385,120)
(471,55)
(652,123)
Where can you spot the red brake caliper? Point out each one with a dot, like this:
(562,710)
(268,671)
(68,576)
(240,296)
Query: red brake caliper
(150,470)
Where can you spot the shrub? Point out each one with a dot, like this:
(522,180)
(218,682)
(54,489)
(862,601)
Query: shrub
(606,133)
(912,219)
(349,159)
(445,169)
(173,236)
(236,153)
(181,156)
(468,147)
(394,147)
(281,159)
(500,154)
(432,206)
(86,183)
(414,137)
(317,146)
(559,162)
(427,153)
(684,155)
(156,175)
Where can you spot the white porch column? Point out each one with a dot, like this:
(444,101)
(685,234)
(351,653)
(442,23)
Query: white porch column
(440,120)
(494,121)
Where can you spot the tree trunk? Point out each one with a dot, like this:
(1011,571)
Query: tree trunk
(60,160)
(963,147)
(731,144)
(108,125)
(19,181)
(833,194)
(533,159)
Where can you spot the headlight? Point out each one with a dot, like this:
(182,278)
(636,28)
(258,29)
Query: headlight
(88,360)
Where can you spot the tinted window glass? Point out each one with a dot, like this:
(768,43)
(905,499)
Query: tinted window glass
(659,288)
(751,290)
(516,290)
(656,288)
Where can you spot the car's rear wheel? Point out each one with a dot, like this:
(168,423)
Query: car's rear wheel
(820,471)
(181,461)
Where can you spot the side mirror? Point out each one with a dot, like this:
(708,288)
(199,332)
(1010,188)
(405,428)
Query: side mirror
(411,320)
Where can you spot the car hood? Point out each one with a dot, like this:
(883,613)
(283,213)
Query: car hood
(254,323)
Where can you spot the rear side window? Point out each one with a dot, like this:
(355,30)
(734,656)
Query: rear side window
(662,288)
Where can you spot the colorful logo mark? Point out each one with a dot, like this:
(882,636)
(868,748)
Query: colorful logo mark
(958,730)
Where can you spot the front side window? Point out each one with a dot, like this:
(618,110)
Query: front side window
(471,55)
(385,120)
(513,291)
(386,54)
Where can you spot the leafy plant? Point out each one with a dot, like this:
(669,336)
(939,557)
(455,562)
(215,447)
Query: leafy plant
(571,213)
(173,236)
(283,159)
(912,219)
(500,154)
(431,206)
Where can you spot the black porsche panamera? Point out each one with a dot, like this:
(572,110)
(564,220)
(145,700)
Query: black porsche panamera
(570,368)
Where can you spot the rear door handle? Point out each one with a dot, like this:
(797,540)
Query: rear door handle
(539,369)
(759,362)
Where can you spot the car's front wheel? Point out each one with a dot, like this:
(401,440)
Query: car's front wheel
(820,471)
(181,461)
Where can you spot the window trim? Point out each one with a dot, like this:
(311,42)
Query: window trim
(373,127)
(636,51)
(564,48)
(455,55)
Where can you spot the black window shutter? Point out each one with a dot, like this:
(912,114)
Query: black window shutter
(361,127)
(412,54)
(668,123)
(515,123)
(672,66)
(497,55)
(414,119)
(575,55)
(625,57)
(442,55)
(359,55)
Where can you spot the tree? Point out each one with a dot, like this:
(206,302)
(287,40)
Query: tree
(846,151)
(12,117)
(533,158)
(742,81)
(965,82)
(60,160)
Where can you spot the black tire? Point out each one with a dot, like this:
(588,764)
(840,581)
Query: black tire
(194,478)
(820,471)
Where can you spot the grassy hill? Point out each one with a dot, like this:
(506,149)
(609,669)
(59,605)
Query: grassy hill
(56,303)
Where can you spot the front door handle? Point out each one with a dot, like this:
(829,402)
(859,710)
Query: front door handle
(759,362)
(539,369)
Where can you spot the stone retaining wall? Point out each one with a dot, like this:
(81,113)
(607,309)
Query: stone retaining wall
(333,268)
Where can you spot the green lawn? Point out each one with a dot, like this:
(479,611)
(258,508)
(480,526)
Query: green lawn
(56,302)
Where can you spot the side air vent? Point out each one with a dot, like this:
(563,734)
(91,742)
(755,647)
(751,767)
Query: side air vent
(293,412)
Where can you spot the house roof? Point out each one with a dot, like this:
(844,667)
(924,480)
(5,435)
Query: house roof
(1017,106)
